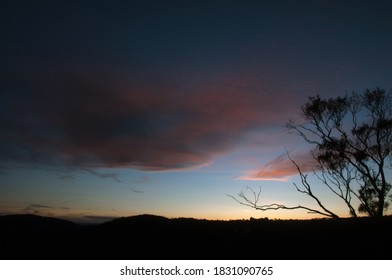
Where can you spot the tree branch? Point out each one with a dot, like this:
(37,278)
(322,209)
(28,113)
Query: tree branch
(246,201)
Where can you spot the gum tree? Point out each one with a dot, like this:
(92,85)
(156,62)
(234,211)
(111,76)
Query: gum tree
(351,140)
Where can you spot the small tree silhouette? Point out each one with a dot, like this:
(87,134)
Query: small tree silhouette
(351,138)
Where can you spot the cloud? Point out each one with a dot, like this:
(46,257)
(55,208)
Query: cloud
(42,209)
(33,206)
(66,177)
(112,175)
(91,119)
(88,93)
(38,209)
(281,168)
(142,180)
(137,191)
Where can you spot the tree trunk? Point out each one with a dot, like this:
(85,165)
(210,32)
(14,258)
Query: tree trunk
(381,205)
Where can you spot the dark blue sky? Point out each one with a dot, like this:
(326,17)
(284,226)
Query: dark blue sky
(174,86)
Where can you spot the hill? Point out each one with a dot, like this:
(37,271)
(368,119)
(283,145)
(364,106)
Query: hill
(35,223)
(156,237)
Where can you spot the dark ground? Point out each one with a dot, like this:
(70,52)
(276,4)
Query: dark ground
(154,237)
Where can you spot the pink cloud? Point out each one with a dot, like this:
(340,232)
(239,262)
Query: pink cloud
(91,119)
(281,168)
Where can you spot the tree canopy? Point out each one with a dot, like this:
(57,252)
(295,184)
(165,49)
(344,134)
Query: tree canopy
(351,143)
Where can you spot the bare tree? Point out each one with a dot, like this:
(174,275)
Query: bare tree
(351,138)
(253,200)
(254,203)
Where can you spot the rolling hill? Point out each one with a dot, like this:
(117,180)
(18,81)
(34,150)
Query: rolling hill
(157,237)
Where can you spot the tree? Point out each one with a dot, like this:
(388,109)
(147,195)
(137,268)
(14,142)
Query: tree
(351,139)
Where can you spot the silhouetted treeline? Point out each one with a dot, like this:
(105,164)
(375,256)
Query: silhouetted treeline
(156,237)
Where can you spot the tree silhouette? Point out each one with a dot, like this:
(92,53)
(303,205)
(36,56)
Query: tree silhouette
(351,139)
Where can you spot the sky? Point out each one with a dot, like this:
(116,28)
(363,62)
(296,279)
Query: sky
(119,108)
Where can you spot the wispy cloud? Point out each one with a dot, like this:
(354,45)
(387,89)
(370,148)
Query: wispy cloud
(137,191)
(281,168)
(66,177)
(34,206)
(142,180)
(38,209)
(43,209)
(111,175)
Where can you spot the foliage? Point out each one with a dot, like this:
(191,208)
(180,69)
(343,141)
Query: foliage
(351,139)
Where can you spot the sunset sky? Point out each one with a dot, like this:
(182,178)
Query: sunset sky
(119,108)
